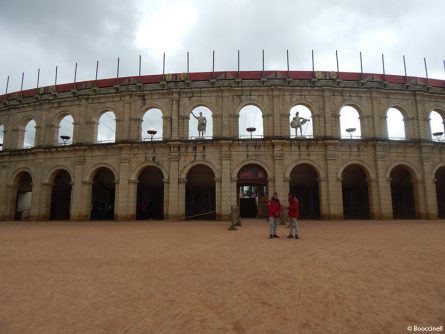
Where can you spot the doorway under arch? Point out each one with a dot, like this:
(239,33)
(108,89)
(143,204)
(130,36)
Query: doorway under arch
(24,196)
(102,196)
(304,184)
(61,196)
(150,194)
(440,191)
(200,193)
(402,193)
(355,193)
(252,191)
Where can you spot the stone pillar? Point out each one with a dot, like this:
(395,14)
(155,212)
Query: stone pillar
(166,127)
(411,128)
(324,197)
(226,191)
(383,186)
(184,121)
(234,126)
(331,116)
(3,193)
(44,205)
(10,202)
(175,116)
(226,110)
(278,167)
(427,189)
(318,125)
(80,194)
(217,125)
(122,208)
(374,203)
(334,186)
(173,185)
(132,199)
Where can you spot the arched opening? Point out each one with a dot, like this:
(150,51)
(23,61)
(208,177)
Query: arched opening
(402,193)
(152,122)
(29,137)
(436,126)
(300,122)
(102,198)
(304,184)
(201,123)
(106,128)
(66,130)
(395,123)
(24,195)
(252,191)
(150,196)
(350,127)
(440,191)
(61,196)
(200,201)
(2,135)
(355,193)
(250,123)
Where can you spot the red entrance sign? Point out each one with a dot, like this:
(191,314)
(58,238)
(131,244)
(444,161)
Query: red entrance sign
(252,173)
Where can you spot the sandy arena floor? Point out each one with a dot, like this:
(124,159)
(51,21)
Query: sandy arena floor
(197,277)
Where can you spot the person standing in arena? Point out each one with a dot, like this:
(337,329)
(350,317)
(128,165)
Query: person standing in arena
(294,214)
(274,209)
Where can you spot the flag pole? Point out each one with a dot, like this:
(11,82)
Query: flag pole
(97,68)
(336,58)
(23,77)
(38,77)
(7,85)
(287,60)
(75,73)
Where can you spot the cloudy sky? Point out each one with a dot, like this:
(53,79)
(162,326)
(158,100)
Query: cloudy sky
(48,33)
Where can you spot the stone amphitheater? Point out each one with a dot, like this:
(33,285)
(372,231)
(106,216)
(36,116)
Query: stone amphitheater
(79,176)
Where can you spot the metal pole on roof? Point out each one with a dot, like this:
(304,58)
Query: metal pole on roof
(361,63)
(188,63)
(426,67)
(263,61)
(336,57)
(23,77)
(7,85)
(75,73)
(404,64)
(97,68)
(383,63)
(55,78)
(163,64)
(117,74)
(287,60)
(238,62)
(213,64)
(313,65)
(140,60)
(38,77)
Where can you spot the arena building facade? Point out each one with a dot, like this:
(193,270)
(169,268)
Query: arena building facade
(369,177)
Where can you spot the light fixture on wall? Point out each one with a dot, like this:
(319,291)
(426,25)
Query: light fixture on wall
(152,133)
(251,130)
(350,131)
(65,139)
(438,135)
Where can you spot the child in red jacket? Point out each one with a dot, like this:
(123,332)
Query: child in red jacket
(293,213)
(274,209)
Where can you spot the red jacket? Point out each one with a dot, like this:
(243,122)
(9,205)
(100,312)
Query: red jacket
(274,208)
(294,208)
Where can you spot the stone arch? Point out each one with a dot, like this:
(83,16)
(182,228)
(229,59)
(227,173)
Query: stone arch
(439,180)
(105,132)
(139,168)
(146,125)
(193,123)
(398,128)
(258,124)
(103,193)
(50,173)
(23,193)
(436,126)
(2,135)
(200,192)
(306,126)
(355,191)
(412,169)
(369,172)
(304,182)
(238,167)
(92,170)
(185,170)
(150,193)
(22,125)
(148,106)
(313,164)
(57,124)
(13,178)
(354,124)
(60,205)
(402,180)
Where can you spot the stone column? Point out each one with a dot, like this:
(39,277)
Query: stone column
(122,208)
(132,199)
(226,191)
(80,194)
(44,205)
(374,204)
(383,185)
(3,193)
(334,186)
(10,202)
(278,167)
(324,197)
(175,116)
(427,189)
(173,185)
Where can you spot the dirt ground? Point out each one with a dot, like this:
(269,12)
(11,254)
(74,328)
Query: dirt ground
(198,277)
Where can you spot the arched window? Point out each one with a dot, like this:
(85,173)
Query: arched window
(250,123)
(350,127)
(29,137)
(152,121)
(2,135)
(201,123)
(66,129)
(106,129)
(436,125)
(300,122)
(396,124)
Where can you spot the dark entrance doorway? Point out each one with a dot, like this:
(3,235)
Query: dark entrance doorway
(402,193)
(252,191)
(304,184)
(355,193)
(24,195)
(103,195)
(61,196)
(440,191)
(200,202)
(150,198)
